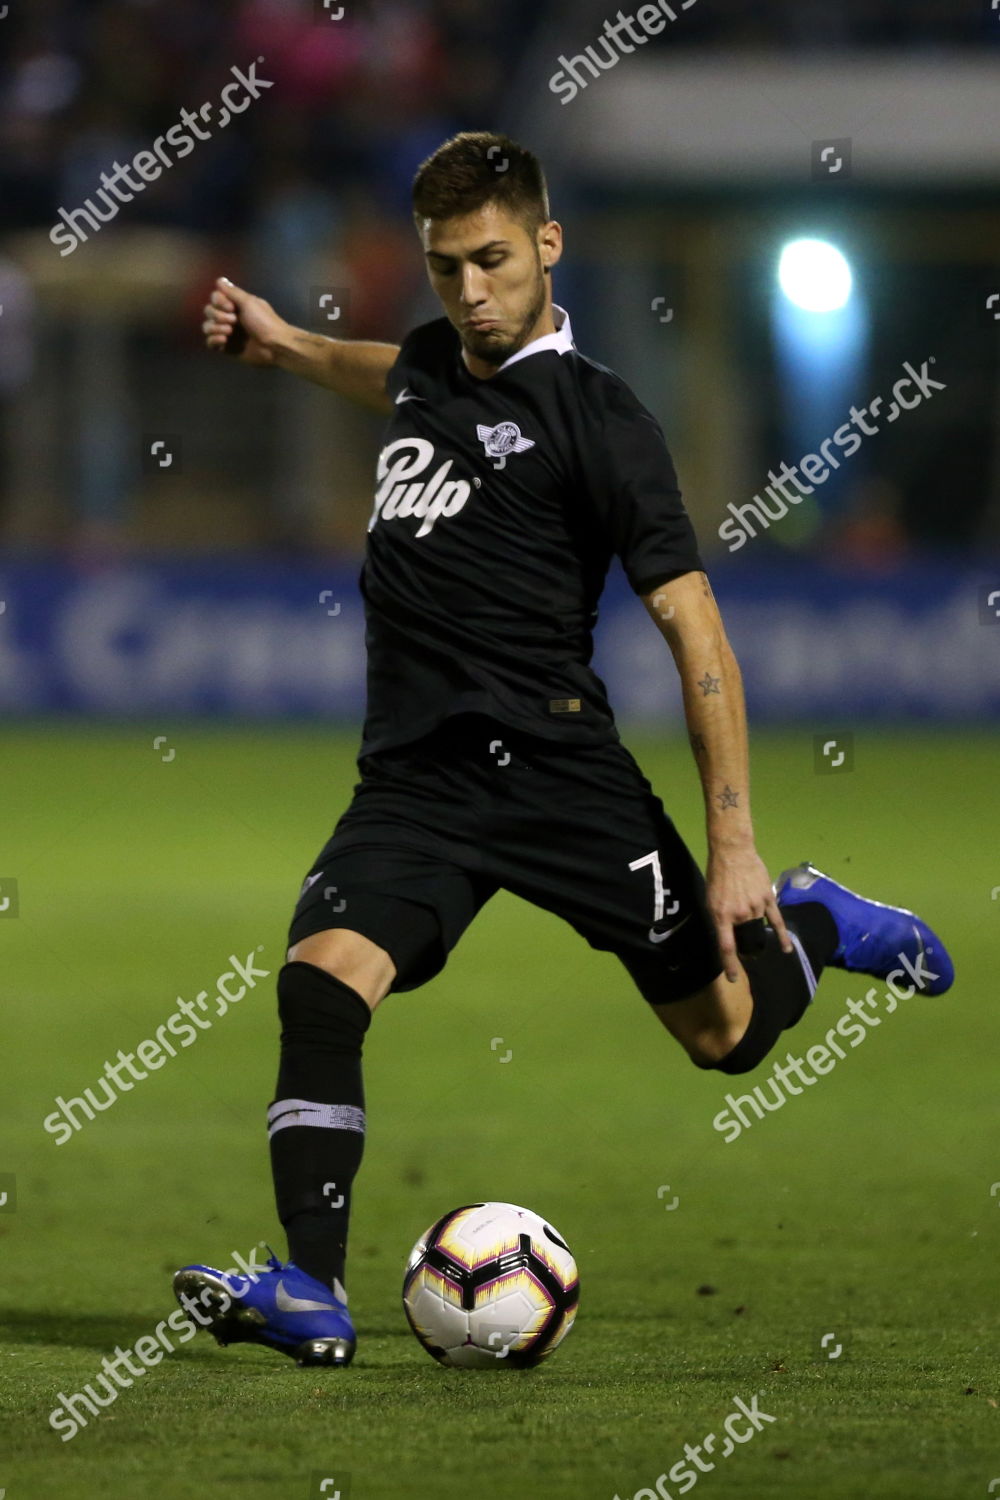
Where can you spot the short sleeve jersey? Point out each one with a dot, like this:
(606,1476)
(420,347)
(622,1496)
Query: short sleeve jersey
(499,505)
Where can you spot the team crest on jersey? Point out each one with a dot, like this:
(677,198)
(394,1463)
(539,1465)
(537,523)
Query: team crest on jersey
(502,440)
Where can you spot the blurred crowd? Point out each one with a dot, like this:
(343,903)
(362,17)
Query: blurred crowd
(363,96)
(309,187)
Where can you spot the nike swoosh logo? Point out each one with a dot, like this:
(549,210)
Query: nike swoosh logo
(407,395)
(287,1303)
(661,937)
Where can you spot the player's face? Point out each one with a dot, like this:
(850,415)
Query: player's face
(489,272)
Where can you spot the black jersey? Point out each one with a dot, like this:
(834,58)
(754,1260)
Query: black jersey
(499,505)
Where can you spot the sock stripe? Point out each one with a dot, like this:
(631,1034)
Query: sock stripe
(285,1112)
(807,969)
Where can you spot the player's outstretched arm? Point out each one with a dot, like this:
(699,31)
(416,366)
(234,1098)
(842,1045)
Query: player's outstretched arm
(739,888)
(238,323)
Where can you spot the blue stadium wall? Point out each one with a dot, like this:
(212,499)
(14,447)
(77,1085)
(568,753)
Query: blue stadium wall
(264,641)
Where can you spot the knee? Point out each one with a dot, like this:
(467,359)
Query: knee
(350,957)
(708,1047)
(709,1024)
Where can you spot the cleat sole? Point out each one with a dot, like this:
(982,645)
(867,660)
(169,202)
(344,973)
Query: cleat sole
(228,1322)
(338,1352)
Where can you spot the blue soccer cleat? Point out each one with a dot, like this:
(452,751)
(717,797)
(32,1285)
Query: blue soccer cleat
(279,1306)
(874,938)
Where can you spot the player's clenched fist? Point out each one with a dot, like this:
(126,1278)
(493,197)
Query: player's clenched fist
(240,324)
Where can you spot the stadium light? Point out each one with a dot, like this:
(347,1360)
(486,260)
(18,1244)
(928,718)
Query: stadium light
(820,325)
(815,276)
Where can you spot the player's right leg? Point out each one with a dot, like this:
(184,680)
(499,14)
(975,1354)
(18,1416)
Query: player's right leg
(380,911)
(327,990)
(332,981)
(349,957)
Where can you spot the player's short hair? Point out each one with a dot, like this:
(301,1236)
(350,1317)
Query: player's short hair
(477,167)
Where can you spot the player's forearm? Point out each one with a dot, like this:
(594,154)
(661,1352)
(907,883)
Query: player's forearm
(349,367)
(716,719)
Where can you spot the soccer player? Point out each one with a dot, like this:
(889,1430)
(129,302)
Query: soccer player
(512,469)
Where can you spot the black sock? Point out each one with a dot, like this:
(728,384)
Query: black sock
(782,984)
(316,1124)
(815,929)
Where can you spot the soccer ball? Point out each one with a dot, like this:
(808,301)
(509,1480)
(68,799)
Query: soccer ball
(489,1284)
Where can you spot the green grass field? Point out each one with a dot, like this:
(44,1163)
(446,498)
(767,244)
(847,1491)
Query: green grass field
(861,1210)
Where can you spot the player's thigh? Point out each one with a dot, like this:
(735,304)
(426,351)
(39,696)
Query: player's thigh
(589,840)
(350,957)
(384,915)
(390,893)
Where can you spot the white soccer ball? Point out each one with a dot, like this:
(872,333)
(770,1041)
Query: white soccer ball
(490,1284)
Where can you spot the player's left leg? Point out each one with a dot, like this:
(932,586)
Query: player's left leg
(733,1027)
(579,831)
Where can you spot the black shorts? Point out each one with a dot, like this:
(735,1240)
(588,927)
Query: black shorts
(437,826)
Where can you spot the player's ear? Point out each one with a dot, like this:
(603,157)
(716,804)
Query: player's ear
(550,244)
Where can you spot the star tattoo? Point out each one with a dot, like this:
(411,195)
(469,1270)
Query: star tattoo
(709,684)
(728,798)
(697,743)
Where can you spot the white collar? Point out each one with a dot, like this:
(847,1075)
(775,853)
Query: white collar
(561,341)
